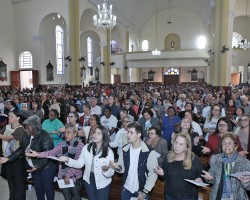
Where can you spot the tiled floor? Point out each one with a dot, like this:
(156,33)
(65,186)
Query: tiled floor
(30,194)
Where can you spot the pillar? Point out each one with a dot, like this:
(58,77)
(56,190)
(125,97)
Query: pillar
(74,42)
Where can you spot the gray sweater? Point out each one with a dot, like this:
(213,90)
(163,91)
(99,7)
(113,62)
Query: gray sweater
(238,189)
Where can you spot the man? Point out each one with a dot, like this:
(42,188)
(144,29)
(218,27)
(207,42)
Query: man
(181,102)
(109,121)
(111,103)
(94,107)
(137,162)
(245,105)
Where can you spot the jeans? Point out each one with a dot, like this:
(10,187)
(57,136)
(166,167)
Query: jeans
(126,194)
(71,193)
(94,193)
(168,197)
(43,182)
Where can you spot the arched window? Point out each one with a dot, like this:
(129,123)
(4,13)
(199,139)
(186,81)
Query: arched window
(115,47)
(25,60)
(59,50)
(236,40)
(172,71)
(144,45)
(90,54)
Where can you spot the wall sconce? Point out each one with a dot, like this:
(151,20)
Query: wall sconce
(224,49)
(126,67)
(210,52)
(68,58)
(206,60)
(112,63)
(102,63)
(82,59)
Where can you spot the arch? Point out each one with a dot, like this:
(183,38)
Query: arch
(172,71)
(237,38)
(172,41)
(25,60)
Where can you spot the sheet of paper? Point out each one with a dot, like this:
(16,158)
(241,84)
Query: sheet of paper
(61,184)
(196,183)
(53,157)
(241,174)
(134,198)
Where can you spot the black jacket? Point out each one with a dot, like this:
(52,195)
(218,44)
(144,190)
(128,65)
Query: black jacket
(41,142)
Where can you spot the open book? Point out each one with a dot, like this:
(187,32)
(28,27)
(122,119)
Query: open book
(200,184)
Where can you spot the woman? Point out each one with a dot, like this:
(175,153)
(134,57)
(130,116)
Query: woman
(148,120)
(69,147)
(94,122)
(159,144)
(213,144)
(243,133)
(186,127)
(235,119)
(196,127)
(169,123)
(121,137)
(55,105)
(36,110)
(180,164)
(210,124)
(52,126)
(228,162)
(95,157)
(10,135)
(129,108)
(42,170)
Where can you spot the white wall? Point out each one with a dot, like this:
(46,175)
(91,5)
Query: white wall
(7,38)
(28,16)
(184,23)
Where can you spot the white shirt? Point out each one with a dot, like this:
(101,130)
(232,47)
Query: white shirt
(132,182)
(197,128)
(102,179)
(109,123)
(121,139)
(97,110)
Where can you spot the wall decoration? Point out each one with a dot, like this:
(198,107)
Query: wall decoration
(50,75)
(194,75)
(3,71)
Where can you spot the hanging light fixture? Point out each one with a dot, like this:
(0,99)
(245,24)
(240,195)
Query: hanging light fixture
(169,19)
(105,19)
(156,52)
(244,44)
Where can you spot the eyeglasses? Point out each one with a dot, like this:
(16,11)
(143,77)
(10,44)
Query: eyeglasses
(70,116)
(126,121)
(68,132)
(127,103)
(244,120)
(228,143)
(222,125)
(216,110)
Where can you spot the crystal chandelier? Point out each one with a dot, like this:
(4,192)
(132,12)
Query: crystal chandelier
(156,52)
(104,19)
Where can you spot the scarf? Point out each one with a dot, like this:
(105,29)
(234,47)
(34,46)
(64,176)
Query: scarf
(69,153)
(228,161)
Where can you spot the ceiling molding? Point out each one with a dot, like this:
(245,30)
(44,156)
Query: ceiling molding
(18,1)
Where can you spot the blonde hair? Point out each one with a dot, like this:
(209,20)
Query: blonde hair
(187,162)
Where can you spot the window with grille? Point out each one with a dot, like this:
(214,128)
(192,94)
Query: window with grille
(90,55)
(25,60)
(172,71)
(59,50)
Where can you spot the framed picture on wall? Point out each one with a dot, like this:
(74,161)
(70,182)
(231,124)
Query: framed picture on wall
(3,71)
(50,75)
(194,75)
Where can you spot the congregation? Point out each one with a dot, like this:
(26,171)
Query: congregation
(144,131)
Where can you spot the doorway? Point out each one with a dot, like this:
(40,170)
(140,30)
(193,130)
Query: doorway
(26,79)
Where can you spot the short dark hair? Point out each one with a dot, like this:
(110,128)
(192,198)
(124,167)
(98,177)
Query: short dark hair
(149,111)
(227,121)
(138,129)
(157,130)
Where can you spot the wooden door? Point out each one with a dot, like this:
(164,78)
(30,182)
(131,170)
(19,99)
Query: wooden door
(235,78)
(35,78)
(15,79)
(117,78)
(171,79)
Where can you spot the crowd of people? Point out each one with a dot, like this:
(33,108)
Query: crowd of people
(83,136)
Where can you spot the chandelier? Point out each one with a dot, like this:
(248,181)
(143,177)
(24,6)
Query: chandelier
(104,19)
(156,52)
